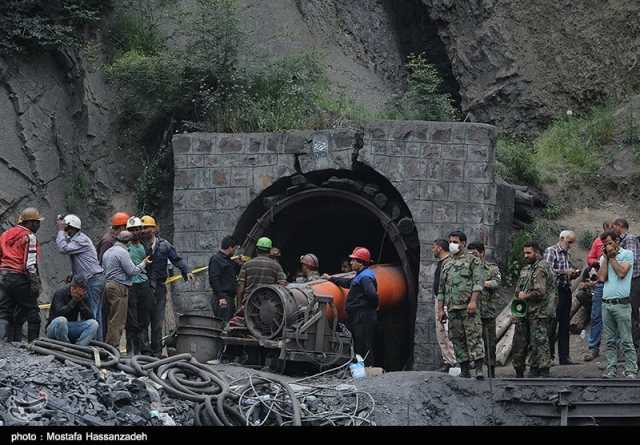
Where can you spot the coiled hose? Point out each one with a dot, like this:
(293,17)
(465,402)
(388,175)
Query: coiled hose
(181,376)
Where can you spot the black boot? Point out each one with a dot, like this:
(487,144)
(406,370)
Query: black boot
(33,331)
(479,369)
(519,373)
(4,330)
(465,370)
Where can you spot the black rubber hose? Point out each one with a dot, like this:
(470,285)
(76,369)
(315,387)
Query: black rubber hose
(80,351)
(61,355)
(211,390)
(138,362)
(165,361)
(211,412)
(65,348)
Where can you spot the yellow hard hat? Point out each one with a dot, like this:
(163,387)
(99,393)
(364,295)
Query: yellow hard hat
(148,221)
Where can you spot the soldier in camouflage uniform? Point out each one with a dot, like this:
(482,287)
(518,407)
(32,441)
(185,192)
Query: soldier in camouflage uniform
(487,306)
(536,286)
(460,287)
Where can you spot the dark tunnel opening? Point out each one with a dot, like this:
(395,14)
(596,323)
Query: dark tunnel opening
(329,228)
(330,223)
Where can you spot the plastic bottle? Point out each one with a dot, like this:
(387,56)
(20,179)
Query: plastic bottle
(357,369)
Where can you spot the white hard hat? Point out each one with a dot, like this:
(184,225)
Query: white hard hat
(134,221)
(73,221)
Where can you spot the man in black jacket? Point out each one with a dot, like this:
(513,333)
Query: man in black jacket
(223,272)
(159,250)
(67,304)
(362,303)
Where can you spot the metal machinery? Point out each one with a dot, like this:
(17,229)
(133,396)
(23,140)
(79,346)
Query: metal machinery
(301,322)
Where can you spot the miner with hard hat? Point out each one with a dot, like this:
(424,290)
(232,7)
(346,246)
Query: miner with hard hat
(140,303)
(309,265)
(78,246)
(19,276)
(120,271)
(118,224)
(161,252)
(259,271)
(362,302)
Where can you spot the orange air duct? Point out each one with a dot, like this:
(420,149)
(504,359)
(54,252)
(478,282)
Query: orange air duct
(392,289)
(270,308)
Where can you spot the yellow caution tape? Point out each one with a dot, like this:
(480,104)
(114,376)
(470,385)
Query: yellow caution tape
(167,281)
(179,276)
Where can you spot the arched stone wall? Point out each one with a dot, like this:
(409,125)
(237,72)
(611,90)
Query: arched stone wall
(445,173)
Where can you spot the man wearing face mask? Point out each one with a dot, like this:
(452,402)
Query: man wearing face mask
(84,262)
(558,258)
(19,276)
(536,286)
(440,250)
(459,289)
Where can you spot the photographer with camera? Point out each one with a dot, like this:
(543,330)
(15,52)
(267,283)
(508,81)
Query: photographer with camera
(616,273)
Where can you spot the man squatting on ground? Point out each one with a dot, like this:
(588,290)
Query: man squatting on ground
(69,304)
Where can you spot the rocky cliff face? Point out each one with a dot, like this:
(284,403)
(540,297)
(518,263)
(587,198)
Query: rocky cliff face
(58,149)
(511,63)
(519,63)
(357,40)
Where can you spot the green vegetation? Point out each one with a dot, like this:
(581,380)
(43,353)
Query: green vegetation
(76,192)
(516,162)
(543,232)
(194,81)
(27,25)
(424,98)
(574,145)
(587,238)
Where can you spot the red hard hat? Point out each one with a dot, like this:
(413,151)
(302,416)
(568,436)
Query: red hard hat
(362,254)
(119,219)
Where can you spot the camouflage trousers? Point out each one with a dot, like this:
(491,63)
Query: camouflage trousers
(531,338)
(465,333)
(489,338)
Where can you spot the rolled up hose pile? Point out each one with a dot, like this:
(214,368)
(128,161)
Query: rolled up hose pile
(182,376)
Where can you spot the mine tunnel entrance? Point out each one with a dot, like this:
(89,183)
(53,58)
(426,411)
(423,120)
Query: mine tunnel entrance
(328,213)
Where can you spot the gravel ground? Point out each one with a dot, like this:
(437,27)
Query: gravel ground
(401,398)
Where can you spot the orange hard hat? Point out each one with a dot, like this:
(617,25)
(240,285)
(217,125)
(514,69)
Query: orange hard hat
(362,254)
(119,219)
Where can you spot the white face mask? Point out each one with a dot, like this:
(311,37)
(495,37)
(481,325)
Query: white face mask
(454,248)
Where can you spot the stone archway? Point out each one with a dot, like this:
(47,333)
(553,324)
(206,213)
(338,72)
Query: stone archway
(444,173)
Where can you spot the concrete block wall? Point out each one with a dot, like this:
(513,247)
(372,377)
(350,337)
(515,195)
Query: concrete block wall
(444,171)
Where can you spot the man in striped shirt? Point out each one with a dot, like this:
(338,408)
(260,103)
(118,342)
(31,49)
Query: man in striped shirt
(558,258)
(630,242)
